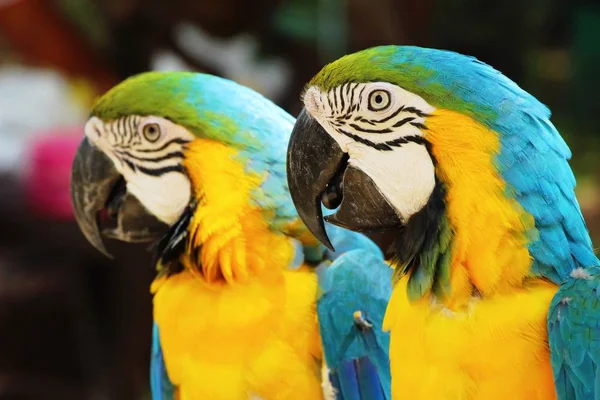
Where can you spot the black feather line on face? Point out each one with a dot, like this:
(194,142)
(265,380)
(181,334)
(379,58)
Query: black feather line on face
(169,249)
(175,155)
(160,171)
(377,146)
(414,238)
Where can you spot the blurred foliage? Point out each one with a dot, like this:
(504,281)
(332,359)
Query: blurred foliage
(586,65)
(322,24)
(85,17)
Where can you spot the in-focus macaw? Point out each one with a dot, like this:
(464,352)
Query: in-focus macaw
(244,292)
(496,282)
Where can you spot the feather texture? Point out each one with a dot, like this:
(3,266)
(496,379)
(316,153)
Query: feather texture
(522,268)
(574,336)
(161,386)
(355,289)
(237,306)
(532,157)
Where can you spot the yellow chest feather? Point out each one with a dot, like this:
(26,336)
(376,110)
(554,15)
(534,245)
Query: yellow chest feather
(496,349)
(487,339)
(235,341)
(236,323)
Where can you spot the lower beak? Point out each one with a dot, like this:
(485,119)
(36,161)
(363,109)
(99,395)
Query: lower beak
(103,206)
(318,172)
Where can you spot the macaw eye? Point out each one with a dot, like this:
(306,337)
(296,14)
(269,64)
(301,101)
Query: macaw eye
(379,100)
(151,132)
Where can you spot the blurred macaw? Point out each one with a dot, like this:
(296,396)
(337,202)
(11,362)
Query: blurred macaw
(245,296)
(496,282)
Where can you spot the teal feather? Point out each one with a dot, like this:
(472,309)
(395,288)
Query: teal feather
(574,336)
(344,241)
(160,384)
(358,358)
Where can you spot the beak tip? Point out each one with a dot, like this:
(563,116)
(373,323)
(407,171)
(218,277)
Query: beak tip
(95,240)
(320,233)
(107,254)
(329,246)
(313,158)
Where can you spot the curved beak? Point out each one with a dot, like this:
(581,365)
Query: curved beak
(318,172)
(103,206)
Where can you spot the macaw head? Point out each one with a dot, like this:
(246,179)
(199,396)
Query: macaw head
(444,149)
(181,153)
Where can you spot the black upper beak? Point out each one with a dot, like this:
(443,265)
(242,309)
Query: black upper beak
(102,205)
(318,172)
(313,158)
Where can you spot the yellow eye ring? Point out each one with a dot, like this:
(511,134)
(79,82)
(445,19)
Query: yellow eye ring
(379,100)
(151,132)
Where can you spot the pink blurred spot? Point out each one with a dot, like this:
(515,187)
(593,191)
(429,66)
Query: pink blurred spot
(47,182)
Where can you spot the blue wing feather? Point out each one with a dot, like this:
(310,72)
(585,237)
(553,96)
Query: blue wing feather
(357,280)
(160,384)
(344,240)
(574,336)
(357,380)
(534,163)
(348,381)
(368,379)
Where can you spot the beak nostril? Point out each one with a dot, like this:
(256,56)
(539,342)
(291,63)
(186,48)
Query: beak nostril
(115,198)
(334,193)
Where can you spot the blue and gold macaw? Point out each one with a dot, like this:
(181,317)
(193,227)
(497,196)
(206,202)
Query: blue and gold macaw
(496,290)
(247,302)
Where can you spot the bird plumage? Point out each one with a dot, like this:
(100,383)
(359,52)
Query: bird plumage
(237,299)
(359,364)
(503,263)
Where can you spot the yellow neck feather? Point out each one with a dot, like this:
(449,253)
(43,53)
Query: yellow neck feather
(491,231)
(233,240)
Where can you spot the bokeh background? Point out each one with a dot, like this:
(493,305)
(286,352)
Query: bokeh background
(74,325)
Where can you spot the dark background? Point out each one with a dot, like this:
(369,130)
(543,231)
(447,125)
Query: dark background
(74,325)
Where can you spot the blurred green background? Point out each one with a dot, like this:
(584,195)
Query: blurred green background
(76,325)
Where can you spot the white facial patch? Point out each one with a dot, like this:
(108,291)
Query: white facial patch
(405,177)
(148,153)
(380,126)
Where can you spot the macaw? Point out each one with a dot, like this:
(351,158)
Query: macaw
(496,282)
(247,302)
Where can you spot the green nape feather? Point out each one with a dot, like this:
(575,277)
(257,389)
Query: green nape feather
(208,106)
(151,93)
